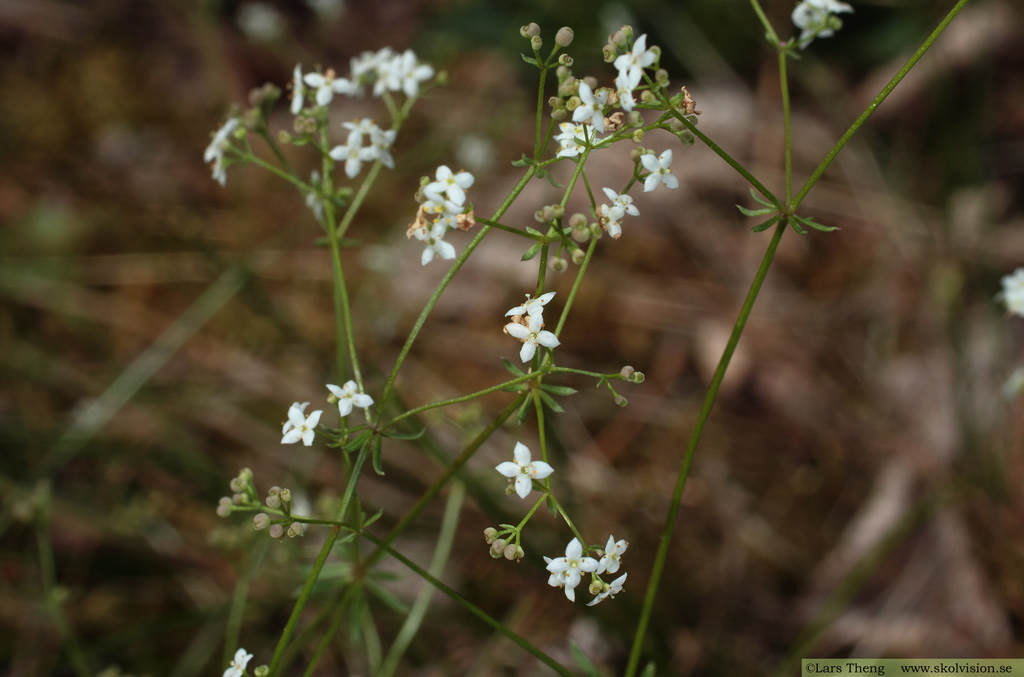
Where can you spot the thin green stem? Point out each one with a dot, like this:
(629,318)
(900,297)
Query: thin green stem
(500,627)
(770,32)
(457,400)
(786,123)
(882,95)
(575,286)
(691,448)
(339,614)
(325,550)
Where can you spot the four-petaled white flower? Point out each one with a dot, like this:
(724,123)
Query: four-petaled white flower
(448,186)
(660,171)
(532,306)
(592,107)
(621,201)
(1013,292)
(572,566)
(327,85)
(524,470)
(573,138)
(354,154)
(434,239)
(215,151)
(612,552)
(237,666)
(299,426)
(631,65)
(609,590)
(348,396)
(815,19)
(532,336)
(402,72)
(298,91)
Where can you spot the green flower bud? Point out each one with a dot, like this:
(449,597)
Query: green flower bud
(627,30)
(536,43)
(559,265)
(559,114)
(618,38)
(498,548)
(490,535)
(510,552)
(621,401)
(261,521)
(578,254)
(565,60)
(529,30)
(563,38)
(608,53)
(627,372)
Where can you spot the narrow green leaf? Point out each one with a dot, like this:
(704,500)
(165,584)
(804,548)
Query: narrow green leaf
(766,225)
(648,670)
(373,518)
(581,660)
(406,436)
(511,368)
(760,200)
(531,252)
(797,228)
(755,212)
(522,162)
(558,390)
(389,599)
(378,462)
(355,443)
(811,223)
(524,410)
(534,232)
(550,402)
(530,60)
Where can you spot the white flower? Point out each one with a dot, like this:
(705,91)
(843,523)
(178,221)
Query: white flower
(592,108)
(610,221)
(402,73)
(448,186)
(300,426)
(532,306)
(298,91)
(523,470)
(382,140)
(1013,292)
(610,560)
(348,396)
(815,19)
(434,239)
(327,85)
(572,566)
(556,579)
(624,88)
(531,336)
(609,590)
(573,138)
(354,154)
(370,64)
(215,151)
(237,666)
(622,201)
(313,198)
(660,172)
(631,65)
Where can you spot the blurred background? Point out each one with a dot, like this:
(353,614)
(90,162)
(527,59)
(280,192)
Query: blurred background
(857,490)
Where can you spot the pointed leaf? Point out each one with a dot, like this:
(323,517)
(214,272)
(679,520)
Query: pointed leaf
(531,252)
(530,60)
(512,369)
(811,223)
(581,660)
(550,402)
(388,598)
(356,443)
(406,436)
(761,200)
(378,462)
(797,228)
(754,212)
(522,162)
(524,410)
(534,232)
(367,521)
(558,390)
(766,225)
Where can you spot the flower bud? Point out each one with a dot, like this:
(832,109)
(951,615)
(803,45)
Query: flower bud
(237,485)
(577,220)
(536,43)
(638,377)
(245,474)
(261,521)
(283,137)
(520,553)
(530,30)
(596,587)
(224,507)
(276,531)
(565,60)
(498,548)
(490,535)
(627,372)
(572,103)
(578,255)
(627,30)
(637,136)
(510,489)
(286,495)
(563,38)
(621,401)
(239,499)
(296,529)
(661,77)
(510,552)
(634,155)
(562,73)
(262,671)
(591,82)
(567,87)
(608,52)
(274,502)
(559,114)
(559,265)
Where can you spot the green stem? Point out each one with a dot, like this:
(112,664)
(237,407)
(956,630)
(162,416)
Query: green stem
(786,123)
(457,400)
(470,607)
(325,550)
(798,198)
(684,468)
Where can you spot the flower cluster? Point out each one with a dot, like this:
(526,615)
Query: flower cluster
(527,326)
(817,19)
(354,153)
(444,208)
(567,572)
(574,138)
(214,154)
(386,70)
(611,214)
(631,67)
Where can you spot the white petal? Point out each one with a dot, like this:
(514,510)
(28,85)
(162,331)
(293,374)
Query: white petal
(517,330)
(523,486)
(547,339)
(522,454)
(541,470)
(508,469)
(651,182)
(670,181)
(527,351)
